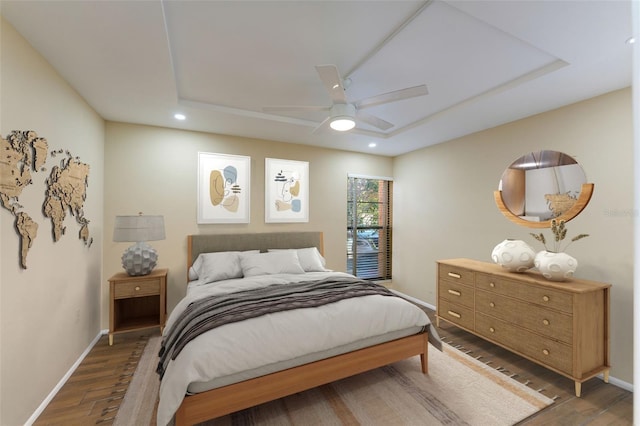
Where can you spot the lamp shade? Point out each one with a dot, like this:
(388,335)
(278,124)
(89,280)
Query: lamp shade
(138,228)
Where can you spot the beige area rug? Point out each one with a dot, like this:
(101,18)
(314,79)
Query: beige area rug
(458,390)
(139,404)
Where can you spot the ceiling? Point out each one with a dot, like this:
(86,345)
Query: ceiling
(485,63)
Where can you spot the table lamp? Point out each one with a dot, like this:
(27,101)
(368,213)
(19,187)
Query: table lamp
(140,258)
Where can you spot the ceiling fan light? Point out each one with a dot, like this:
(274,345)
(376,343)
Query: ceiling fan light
(342,117)
(342,124)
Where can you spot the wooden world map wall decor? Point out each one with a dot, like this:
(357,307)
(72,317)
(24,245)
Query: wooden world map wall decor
(22,153)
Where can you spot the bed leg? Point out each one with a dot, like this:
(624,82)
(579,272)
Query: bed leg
(424,356)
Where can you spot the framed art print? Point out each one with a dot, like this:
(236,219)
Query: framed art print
(223,188)
(286,191)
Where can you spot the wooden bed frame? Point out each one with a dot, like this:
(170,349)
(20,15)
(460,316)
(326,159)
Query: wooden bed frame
(238,396)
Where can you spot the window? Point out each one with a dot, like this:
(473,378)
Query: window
(369,227)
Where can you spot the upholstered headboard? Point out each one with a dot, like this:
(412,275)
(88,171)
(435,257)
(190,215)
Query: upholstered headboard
(209,243)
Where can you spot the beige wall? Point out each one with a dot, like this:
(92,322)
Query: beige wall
(444,208)
(154,170)
(50,312)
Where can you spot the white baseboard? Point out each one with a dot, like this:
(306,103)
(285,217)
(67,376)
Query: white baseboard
(619,383)
(62,381)
(614,381)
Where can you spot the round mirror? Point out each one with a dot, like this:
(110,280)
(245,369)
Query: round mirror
(541,186)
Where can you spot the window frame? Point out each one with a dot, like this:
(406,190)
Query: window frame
(383,260)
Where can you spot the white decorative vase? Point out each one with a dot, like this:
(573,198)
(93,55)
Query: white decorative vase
(556,266)
(513,255)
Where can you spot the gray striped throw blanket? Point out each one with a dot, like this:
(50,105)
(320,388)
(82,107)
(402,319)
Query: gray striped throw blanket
(213,311)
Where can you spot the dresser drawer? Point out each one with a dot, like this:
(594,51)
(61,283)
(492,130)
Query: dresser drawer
(543,296)
(456,274)
(550,323)
(455,313)
(456,293)
(125,289)
(547,351)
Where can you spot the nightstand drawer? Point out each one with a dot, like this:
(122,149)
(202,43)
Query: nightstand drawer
(126,289)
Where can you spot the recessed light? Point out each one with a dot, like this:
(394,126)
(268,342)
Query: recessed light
(631,40)
(372,145)
(179,116)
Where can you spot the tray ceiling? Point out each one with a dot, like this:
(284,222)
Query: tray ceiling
(485,63)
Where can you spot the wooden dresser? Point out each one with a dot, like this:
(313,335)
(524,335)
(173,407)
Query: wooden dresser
(563,326)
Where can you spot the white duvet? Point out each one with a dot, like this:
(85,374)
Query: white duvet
(277,337)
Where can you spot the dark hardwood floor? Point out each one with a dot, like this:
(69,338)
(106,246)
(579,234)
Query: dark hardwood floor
(95,390)
(93,393)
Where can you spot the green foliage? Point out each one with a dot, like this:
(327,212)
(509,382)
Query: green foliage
(363,194)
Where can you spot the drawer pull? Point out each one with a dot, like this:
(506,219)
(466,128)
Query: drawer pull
(545,298)
(455,292)
(545,321)
(545,351)
(492,285)
(454,275)
(493,305)
(454,314)
(491,329)
(137,288)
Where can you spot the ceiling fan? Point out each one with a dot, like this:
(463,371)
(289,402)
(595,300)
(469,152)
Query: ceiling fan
(342,113)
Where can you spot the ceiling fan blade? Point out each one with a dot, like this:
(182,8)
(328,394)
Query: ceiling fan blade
(373,120)
(410,92)
(280,108)
(322,126)
(332,82)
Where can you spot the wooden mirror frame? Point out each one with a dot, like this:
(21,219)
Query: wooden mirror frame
(585,195)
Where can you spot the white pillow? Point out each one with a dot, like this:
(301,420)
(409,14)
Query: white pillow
(217,266)
(193,275)
(281,262)
(310,259)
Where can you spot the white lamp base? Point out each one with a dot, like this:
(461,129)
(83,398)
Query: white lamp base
(139,259)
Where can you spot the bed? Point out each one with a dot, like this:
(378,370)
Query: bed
(219,367)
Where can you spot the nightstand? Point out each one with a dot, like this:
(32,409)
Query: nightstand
(137,302)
